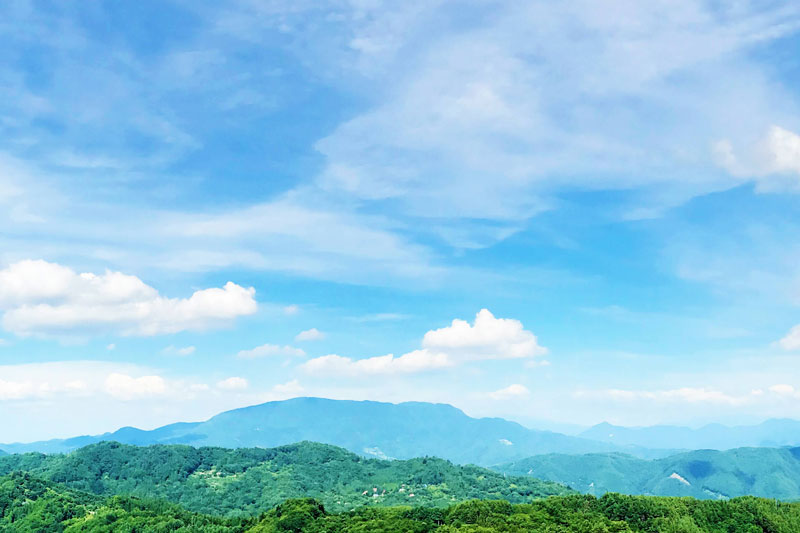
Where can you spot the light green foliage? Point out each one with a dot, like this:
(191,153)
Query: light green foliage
(703,474)
(31,505)
(245,481)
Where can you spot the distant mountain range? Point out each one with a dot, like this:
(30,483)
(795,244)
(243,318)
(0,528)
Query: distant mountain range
(382,430)
(414,429)
(771,433)
(706,474)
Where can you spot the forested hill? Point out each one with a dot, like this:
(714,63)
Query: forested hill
(247,481)
(383,430)
(765,472)
(31,505)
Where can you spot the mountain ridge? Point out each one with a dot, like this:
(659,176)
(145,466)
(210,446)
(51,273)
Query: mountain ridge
(773,432)
(380,429)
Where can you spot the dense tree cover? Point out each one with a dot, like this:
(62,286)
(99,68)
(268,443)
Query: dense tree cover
(246,481)
(31,505)
(704,474)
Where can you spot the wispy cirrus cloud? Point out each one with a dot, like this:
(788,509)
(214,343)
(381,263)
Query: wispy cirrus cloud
(270,350)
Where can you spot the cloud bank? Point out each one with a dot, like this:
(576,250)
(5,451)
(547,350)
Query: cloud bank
(47,299)
(487,338)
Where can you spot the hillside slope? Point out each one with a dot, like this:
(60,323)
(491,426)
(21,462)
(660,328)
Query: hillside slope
(32,505)
(247,480)
(764,472)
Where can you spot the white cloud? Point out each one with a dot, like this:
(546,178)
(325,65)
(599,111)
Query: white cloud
(125,387)
(290,388)
(233,383)
(312,334)
(111,347)
(773,160)
(783,389)
(269,350)
(792,339)
(41,298)
(487,338)
(511,392)
(181,352)
(412,362)
(538,99)
(291,310)
(13,390)
(297,234)
(379,317)
(679,395)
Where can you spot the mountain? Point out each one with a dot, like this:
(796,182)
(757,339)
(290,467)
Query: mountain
(772,433)
(247,481)
(765,472)
(383,430)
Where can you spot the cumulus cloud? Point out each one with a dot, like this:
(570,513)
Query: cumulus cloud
(48,299)
(312,334)
(290,388)
(125,387)
(486,339)
(785,390)
(512,391)
(14,390)
(773,161)
(792,339)
(234,383)
(269,350)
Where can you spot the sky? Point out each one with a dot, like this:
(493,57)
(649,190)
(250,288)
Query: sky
(560,213)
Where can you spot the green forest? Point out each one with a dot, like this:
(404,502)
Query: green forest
(246,481)
(28,504)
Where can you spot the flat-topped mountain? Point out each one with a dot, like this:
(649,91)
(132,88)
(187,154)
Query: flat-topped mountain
(377,429)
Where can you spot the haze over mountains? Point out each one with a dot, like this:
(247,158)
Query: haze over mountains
(413,429)
(764,472)
(770,433)
(383,430)
(602,459)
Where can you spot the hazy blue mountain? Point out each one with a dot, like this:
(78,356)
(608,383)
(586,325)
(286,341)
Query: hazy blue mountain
(376,429)
(771,433)
(766,472)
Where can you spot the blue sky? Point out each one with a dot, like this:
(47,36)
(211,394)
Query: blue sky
(557,213)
